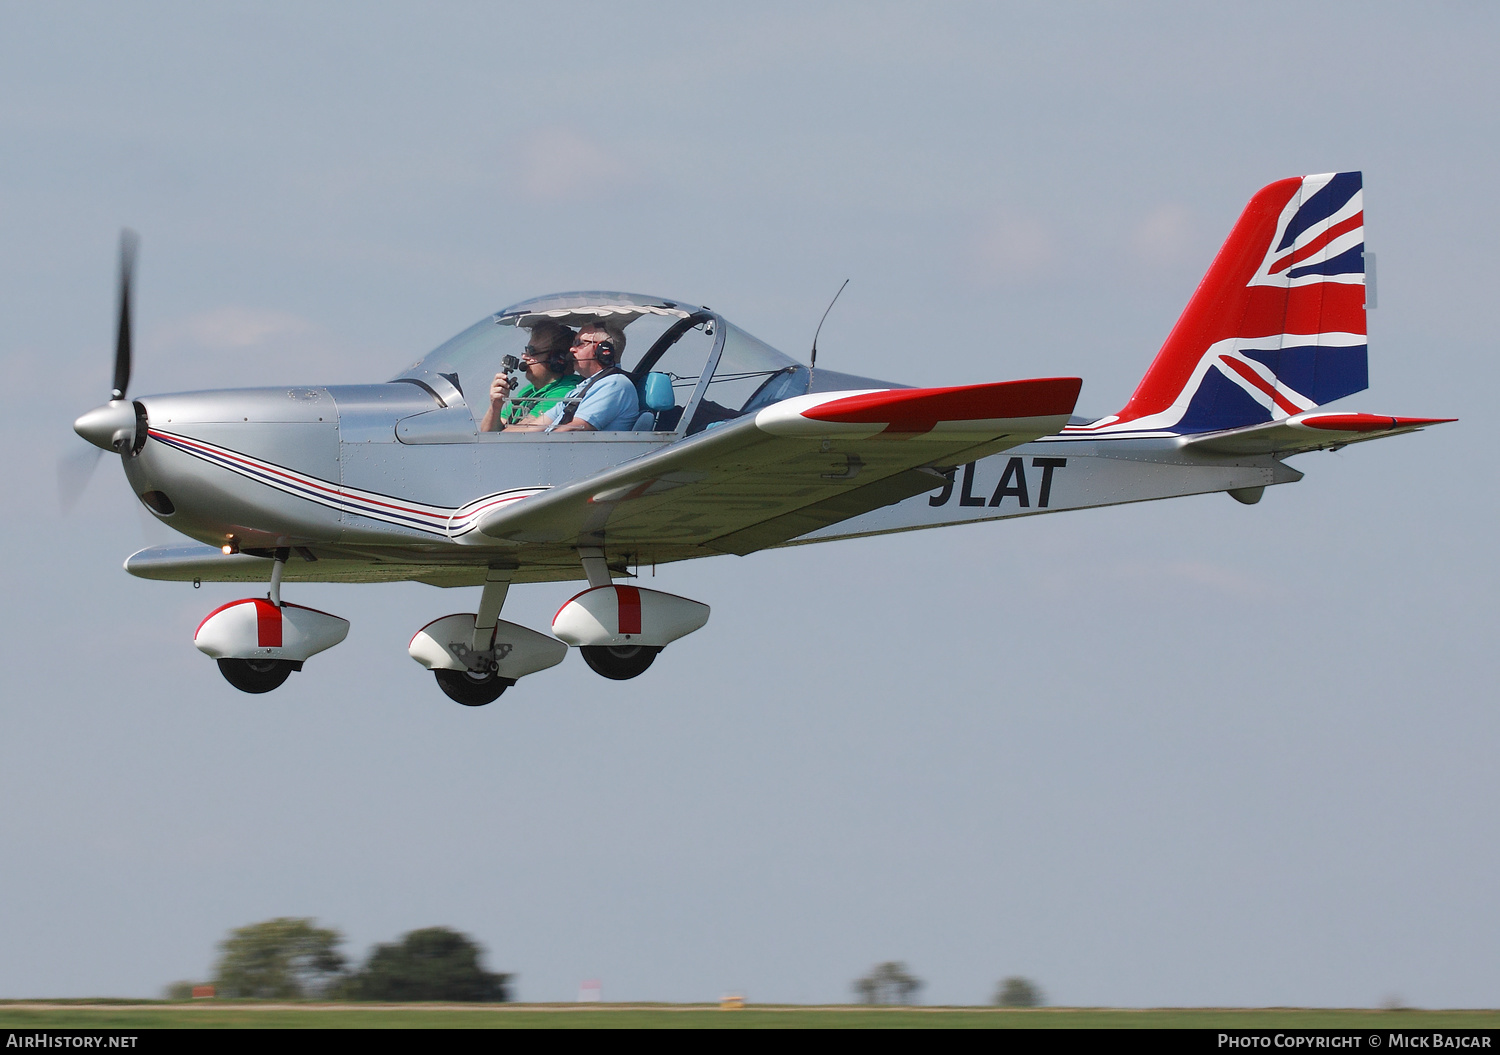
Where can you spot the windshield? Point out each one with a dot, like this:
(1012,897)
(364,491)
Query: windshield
(750,374)
(469,361)
(661,337)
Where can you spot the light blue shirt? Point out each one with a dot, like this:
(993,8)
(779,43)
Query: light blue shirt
(610,404)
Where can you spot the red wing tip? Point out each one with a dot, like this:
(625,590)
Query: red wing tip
(922,408)
(1368,422)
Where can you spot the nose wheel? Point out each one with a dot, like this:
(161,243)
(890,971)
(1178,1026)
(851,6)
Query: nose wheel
(472,688)
(619,662)
(257,675)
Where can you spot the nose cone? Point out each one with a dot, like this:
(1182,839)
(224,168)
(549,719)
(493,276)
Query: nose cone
(111,426)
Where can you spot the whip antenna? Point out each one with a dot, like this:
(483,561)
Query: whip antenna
(813,362)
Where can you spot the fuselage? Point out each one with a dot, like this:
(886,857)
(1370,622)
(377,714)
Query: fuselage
(356,469)
(346,464)
(390,481)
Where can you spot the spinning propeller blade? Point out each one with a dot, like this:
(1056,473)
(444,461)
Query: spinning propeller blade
(73,474)
(128,242)
(113,426)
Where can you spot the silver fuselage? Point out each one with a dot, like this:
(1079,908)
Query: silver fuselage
(359,478)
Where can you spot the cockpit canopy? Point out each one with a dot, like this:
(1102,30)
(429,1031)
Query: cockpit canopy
(715,371)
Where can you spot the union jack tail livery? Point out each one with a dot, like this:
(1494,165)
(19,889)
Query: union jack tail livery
(1276,327)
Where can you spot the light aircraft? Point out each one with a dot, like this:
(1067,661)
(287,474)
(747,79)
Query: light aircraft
(736,448)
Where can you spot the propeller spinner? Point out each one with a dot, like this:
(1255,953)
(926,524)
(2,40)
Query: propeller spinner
(113,426)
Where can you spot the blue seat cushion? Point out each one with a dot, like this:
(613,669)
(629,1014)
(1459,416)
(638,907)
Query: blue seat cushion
(656,392)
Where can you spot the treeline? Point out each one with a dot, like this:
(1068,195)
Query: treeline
(291,958)
(295,959)
(892,983)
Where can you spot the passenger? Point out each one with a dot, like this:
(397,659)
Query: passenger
(548,367)
(607,399)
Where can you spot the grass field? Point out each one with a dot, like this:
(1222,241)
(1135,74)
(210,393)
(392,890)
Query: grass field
(250,1015)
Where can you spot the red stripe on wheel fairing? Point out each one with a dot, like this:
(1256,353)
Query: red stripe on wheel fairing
(630,609)
(267,624)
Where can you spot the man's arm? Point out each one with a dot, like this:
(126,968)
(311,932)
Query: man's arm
(499,393)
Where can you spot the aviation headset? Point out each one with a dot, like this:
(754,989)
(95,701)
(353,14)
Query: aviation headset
(558,358)
(607,352)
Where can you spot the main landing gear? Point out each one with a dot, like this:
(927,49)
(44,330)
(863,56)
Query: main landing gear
(619,629)
(257,675)
(622,629)
(477,657)
(472,688)
(619,662)
(480,682)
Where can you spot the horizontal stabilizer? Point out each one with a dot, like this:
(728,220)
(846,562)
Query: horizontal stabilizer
(1306,432)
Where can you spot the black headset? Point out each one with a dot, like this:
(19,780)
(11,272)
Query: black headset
(559,359)
(605,350)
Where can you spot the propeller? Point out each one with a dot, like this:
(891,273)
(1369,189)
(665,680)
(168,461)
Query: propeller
(74,471)
(129,241)
(111,427)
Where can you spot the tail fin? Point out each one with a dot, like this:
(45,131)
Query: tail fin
(1276,327)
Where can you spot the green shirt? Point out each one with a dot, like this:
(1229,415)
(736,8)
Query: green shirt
(528,399)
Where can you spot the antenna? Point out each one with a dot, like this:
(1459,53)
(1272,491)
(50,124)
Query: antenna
(813,362)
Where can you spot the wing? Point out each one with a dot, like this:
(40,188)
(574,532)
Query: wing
(760,481)
(794,467)
(1306,432)
(189,561)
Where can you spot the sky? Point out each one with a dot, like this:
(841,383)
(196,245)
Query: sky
(1176,753)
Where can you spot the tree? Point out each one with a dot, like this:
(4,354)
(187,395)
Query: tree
(1018,992)
(280,959)
(435,963)
(888,983)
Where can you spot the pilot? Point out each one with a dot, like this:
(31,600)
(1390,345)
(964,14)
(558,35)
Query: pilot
(548,367)
(606,401)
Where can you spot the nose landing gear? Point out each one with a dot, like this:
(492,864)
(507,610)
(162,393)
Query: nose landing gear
(260,641)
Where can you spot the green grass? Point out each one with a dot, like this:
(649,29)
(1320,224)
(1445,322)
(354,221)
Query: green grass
(221,1014)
